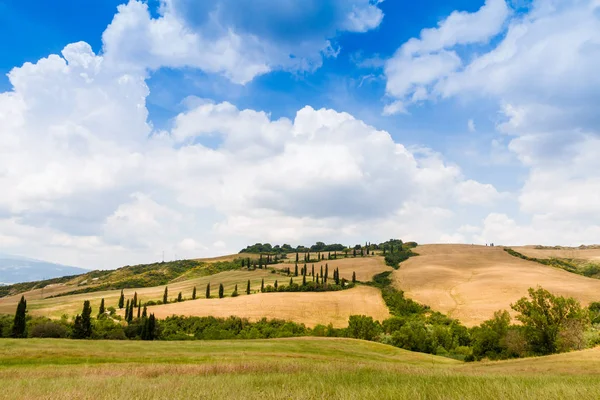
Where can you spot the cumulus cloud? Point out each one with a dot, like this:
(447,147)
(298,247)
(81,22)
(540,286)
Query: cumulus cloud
(422,62)
(544,75)
(237,39)
(88,181)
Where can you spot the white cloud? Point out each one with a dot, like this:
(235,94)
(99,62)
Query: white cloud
(471,125)
(419,64)
(88,182)
(237,39)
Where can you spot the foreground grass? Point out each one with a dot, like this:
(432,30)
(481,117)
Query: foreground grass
(304,368)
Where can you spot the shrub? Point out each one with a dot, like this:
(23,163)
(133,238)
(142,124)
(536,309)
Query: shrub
(49,330)
(363,327)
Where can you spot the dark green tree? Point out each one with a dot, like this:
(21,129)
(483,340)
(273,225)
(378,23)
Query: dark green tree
(194,293)
(208,290)
(166,295)
(20,322)
(101,310)
(317,279)
(145,312)
(275,284)
(135,299)
(296,257)
(235,292)
(291,281)
(262,285)
(121,300)
(353,277)
(296,270)
(313,271)
(544,316)
(149,328)
(326,273)
(221,291)
(303,280)
(179,297)
(248,287)
(127,311)
(139,310)
(82,328)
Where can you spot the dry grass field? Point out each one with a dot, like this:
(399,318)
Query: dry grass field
(308,308)
(365,267)
(471,282)
(299,368)
(72,304)
(571,253)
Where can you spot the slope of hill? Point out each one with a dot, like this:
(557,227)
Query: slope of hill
(574,253)
(471,282)
(14,269)
(299,368)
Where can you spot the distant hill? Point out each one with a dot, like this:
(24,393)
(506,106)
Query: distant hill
(14,269)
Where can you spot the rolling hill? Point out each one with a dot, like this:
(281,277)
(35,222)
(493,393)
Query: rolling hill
(471,282)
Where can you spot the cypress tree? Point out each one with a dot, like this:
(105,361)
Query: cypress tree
(275,284)
(208,290)
(313,271)
(296,257)
(130,315)
(248,287)
(296,270)
(329,255)
(139,310)
(326,273)
(305,269)
(166,295)
(303,280)
(262,285)
(194,293)
(248,262)
(221,291)
(353,277)
(337,276)
(101,310)
(260,262)
(235,292)
(121,300)
(86,319)
(317,279)
(291,281)
(149,328)
(179,297)
(135,299)
(20,323)
(335,255)
(127,310)
(145,312)
(242,263)
(353,252)
(321,272)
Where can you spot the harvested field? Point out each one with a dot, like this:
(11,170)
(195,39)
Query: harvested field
(365,267)
(570,253)
(471,282)
(308,308)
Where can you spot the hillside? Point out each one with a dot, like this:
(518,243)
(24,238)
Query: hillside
(300,368)
(575,253)
(471,282)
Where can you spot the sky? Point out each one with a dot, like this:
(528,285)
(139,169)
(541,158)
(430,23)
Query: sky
(197,127)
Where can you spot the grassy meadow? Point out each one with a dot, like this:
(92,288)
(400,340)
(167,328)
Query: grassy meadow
(301,368)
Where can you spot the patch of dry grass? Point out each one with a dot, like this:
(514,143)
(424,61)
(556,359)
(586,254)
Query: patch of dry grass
(471,282)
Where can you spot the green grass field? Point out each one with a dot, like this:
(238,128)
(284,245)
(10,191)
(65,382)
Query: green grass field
(302,368)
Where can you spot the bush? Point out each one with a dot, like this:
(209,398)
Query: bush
(363,327)
(49,330)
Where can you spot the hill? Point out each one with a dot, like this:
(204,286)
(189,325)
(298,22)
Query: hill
(300,368)
(573,253)
(14,269)
(471,282)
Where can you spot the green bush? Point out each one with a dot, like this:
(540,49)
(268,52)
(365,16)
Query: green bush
(49,330)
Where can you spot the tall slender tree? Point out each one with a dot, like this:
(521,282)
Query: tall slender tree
(121,300)
(208,290)
(291,281)
(139,310)
(248,287)
(353,277)
(145,312)
(296,257)
(221,291)
(82,328)
(166,295)
(180,297)
(194,293)
(275,284)
(101,310)
(317,279)
(20,322)
(262,285)
(296,270)
(127,310)
(135,299)
(303,280)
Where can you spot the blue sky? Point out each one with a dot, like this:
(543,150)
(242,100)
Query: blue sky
(196,127)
